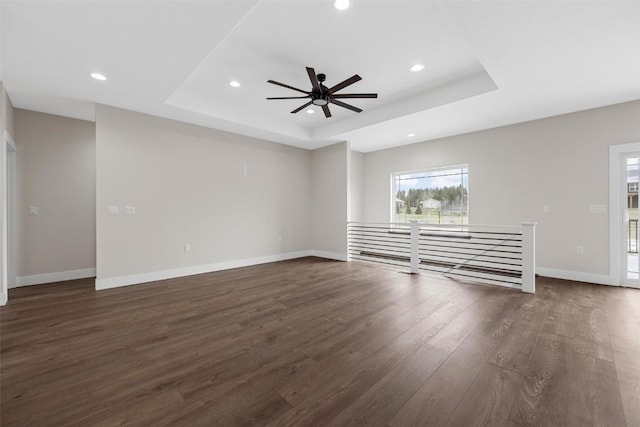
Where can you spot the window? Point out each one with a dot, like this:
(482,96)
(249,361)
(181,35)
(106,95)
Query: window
(632,187)
(432,196)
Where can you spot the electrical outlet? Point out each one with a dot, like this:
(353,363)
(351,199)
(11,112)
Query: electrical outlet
(33,210)
(187,247)
(129,210)
(112,210)
(279,238)
(580,250)
(546,209)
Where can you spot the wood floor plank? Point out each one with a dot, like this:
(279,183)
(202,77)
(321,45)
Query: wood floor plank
(515,348)
(621,319)
(319,342)
(627,361)
(591,336)
(246,404)
(560,319)
(456,331)
(381,402)
(319,404)
(421,333)
(540,388)
(567,388)
(498,388)
(504,310)
(633,296)
(141,411)
(440,395)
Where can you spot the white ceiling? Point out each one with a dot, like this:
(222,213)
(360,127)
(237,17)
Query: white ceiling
(488,63)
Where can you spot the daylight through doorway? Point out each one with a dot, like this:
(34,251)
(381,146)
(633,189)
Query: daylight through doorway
(631,218)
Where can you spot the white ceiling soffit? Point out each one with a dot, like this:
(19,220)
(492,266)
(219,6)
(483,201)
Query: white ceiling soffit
(487,63)
(377,40)
(145,48)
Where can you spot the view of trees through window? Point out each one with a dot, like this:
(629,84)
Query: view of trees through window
(436,196)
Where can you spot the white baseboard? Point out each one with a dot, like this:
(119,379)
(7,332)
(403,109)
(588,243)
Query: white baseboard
(328,255)
(134,279)
(578,276)
(39,279)
(3,299)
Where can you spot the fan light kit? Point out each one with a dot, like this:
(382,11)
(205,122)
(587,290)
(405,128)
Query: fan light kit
(341,4)
(322,96)
(98,76)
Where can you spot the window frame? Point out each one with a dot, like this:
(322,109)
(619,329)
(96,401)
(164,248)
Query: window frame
(394,190)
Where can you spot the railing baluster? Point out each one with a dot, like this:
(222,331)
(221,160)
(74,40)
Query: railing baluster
(529,257)
(415,237)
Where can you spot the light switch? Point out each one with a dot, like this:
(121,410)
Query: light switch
(598,209)
(112,210)
(129,210)
(33,210)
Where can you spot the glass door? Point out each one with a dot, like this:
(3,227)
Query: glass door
(631,232)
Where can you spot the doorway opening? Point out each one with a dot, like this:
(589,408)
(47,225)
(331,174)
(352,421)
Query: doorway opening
(631,235)
(624,203)
(8,215)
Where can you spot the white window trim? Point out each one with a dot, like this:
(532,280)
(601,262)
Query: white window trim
(392,210)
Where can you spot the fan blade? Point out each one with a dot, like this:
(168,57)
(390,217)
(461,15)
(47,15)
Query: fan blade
(355,95)
(327,113)
(347,106)
(351,80)
(290,97)
(301,108)
(287,86)
(314,79)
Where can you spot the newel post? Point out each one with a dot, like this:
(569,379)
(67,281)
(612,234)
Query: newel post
(529,257)
(415,234)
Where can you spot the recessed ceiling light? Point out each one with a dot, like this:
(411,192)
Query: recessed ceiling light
(341,4)
(234,83)
(411,134)
(98,76)
(310,111)
(417,67)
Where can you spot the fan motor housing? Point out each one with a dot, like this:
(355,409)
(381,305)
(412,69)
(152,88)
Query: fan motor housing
(320,100)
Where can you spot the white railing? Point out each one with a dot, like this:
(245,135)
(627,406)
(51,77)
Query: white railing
(498,255)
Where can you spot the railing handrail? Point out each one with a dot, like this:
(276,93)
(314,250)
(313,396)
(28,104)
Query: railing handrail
(424,224)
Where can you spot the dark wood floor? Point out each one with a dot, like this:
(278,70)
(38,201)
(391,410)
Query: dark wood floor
(315,342)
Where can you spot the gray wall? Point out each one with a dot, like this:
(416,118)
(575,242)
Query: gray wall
(230,197)
(356,186)
(515,170)
(234,198)
(56,159)
(329,200)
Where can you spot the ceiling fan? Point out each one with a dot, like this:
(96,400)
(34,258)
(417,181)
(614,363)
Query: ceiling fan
(322,96)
